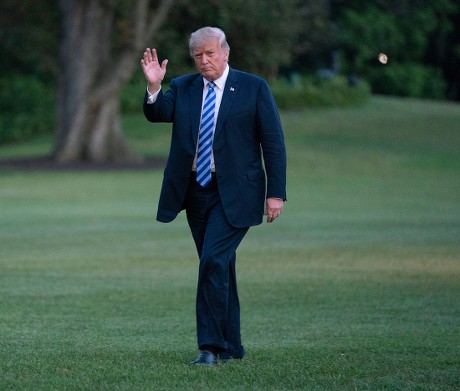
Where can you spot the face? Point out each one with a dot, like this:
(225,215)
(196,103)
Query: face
(210,59)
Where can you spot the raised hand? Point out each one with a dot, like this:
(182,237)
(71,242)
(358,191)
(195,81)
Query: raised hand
(154,72)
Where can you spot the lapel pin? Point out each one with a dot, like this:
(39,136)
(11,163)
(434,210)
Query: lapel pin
(232,89)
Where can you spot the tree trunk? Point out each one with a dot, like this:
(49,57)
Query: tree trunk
(95,135)
(92,73)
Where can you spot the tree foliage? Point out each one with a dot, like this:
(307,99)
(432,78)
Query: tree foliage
(261,34)
(29,36)
(29,32)
(406,31)
(83,51)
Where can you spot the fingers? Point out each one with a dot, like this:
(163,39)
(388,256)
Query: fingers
(150,59)
(273,208)
(144,60)
(271,216)
(150,55)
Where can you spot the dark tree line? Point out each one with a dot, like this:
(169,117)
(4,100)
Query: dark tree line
(80,53)
(420,37)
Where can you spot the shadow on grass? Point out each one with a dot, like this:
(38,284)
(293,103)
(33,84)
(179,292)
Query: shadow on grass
(46,163)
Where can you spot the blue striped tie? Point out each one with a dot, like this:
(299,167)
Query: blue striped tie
(203,161)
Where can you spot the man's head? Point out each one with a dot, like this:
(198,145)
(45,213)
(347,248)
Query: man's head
(209,49)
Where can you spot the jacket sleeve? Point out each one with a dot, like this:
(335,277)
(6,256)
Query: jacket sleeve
(272,142)
(162,110)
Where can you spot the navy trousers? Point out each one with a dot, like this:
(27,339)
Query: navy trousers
(217,304)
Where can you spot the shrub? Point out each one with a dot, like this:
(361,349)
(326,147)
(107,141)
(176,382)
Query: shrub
(27,108)
(304,92)
(132,95)
(296,93)
(408,79)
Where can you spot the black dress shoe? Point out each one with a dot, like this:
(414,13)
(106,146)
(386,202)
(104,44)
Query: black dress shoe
(205,358)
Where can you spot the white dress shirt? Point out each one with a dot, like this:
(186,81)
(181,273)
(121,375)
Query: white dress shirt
(219,89)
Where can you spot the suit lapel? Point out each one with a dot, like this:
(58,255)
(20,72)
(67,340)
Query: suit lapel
(230,92)
(195,101)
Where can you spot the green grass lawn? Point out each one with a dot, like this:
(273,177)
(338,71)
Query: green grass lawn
(355,287)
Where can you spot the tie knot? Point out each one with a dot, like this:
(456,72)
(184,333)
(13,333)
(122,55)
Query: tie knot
(211,85)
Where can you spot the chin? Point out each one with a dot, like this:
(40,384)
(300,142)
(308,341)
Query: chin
(208,75)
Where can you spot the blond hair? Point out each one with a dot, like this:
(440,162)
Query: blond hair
(203,35)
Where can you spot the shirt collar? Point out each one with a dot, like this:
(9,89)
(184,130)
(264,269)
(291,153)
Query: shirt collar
(220,82)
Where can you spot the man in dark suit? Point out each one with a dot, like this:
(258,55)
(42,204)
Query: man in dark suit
(224,179)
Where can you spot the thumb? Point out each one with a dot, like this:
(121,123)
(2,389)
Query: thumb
(164,64)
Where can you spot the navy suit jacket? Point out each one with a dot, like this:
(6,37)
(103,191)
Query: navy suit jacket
(248,128)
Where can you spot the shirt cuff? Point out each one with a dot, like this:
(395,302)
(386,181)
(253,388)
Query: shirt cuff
(151,98)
